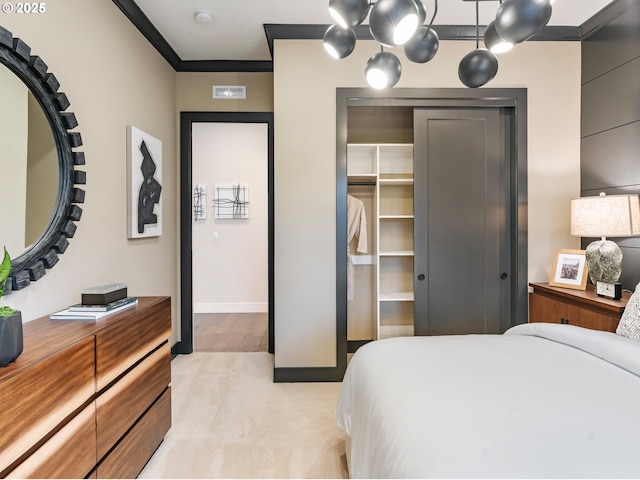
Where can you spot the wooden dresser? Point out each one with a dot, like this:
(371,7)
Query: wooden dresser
(88,399)
(575,307)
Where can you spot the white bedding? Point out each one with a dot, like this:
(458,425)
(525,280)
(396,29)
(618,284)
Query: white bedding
(540,401)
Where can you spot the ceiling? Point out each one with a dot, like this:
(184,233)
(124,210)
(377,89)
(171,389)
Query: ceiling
(237,29)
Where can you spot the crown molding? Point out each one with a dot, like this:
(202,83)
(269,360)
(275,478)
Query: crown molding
(225,66)
(274,32)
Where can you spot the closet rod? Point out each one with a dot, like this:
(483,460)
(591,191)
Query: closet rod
(372,184)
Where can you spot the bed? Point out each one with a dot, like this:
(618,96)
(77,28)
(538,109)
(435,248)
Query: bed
(539,401)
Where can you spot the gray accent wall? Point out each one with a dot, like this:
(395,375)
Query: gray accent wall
(610,128)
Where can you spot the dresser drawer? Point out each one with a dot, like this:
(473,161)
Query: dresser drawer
(120,406)
(130,456)
(122,345)
(34,403)
(70,453)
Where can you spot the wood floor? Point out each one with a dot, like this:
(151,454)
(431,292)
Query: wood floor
(230,332)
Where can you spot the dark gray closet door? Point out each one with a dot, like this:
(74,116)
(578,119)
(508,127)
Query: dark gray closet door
(461,214)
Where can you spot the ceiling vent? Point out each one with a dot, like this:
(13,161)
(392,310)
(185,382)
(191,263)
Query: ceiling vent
(229,91)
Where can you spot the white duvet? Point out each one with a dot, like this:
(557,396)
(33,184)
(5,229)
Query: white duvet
(540,401)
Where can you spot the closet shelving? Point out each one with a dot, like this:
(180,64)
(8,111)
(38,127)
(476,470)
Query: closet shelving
(388,169)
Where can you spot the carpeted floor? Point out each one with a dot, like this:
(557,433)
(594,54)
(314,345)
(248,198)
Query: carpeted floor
(231,421)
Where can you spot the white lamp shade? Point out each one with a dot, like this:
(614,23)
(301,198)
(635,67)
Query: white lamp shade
(606,216)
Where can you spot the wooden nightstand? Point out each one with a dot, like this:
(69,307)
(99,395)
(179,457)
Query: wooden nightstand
(582,308)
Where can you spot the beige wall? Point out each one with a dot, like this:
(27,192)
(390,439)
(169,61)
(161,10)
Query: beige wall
(113,77)
(195,92)
(305,82)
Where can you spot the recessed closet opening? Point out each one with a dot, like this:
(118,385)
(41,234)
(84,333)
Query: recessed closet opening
(379,223)
(431,209)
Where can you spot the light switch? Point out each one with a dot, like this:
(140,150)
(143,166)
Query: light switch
(215,236)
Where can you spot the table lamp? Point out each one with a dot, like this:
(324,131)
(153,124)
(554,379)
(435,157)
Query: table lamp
(605,216)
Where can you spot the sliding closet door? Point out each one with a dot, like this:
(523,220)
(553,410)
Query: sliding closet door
(461,212)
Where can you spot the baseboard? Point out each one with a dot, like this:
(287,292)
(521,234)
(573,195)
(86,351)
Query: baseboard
(307,374)
(176,349)
(255,307)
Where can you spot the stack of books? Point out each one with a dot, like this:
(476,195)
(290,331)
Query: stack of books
(98,302)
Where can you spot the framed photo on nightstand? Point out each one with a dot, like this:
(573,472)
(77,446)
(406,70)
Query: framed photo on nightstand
(569,269)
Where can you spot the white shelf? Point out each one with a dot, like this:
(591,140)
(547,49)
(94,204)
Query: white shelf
(361,158)
(393,217)
(396,181)
(396,297)
(397,253)
(362,177)
(396,159)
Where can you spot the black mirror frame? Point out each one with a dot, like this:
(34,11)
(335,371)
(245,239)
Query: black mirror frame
(31,265)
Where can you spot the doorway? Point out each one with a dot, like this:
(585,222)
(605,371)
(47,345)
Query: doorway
(502,108)
(223,229)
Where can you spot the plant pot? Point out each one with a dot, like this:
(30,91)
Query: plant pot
(10,338)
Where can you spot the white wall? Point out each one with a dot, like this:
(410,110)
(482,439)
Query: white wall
(113,78)
(230,256)
(305,82)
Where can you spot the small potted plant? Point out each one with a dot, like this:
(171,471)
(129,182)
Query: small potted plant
(10,320)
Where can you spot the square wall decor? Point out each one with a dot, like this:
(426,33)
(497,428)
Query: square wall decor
(231,201)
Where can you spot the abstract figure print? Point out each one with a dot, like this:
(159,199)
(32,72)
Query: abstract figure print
(144,188)
(150,191)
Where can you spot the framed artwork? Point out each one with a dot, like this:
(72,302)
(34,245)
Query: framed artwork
(569,269)
(231,201)
(199,202)
(144,189)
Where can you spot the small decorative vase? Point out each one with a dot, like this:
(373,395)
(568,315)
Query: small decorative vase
(604,260)
(10,338)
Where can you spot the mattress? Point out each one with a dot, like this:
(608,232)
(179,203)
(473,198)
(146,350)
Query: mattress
(540,401)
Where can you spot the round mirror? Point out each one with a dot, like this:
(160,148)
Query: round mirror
(38,162)
(29,162)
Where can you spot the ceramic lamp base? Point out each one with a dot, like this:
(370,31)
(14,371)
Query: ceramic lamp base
(604,261)
(10,338)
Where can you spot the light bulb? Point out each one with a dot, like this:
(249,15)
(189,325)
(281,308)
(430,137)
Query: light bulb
(405,29)
(376,78)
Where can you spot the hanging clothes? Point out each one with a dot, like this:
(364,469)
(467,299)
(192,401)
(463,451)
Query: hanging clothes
(356,228)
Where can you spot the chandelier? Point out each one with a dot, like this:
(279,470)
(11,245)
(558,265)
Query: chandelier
(401,23)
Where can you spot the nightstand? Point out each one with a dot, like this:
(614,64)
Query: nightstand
(582,308)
